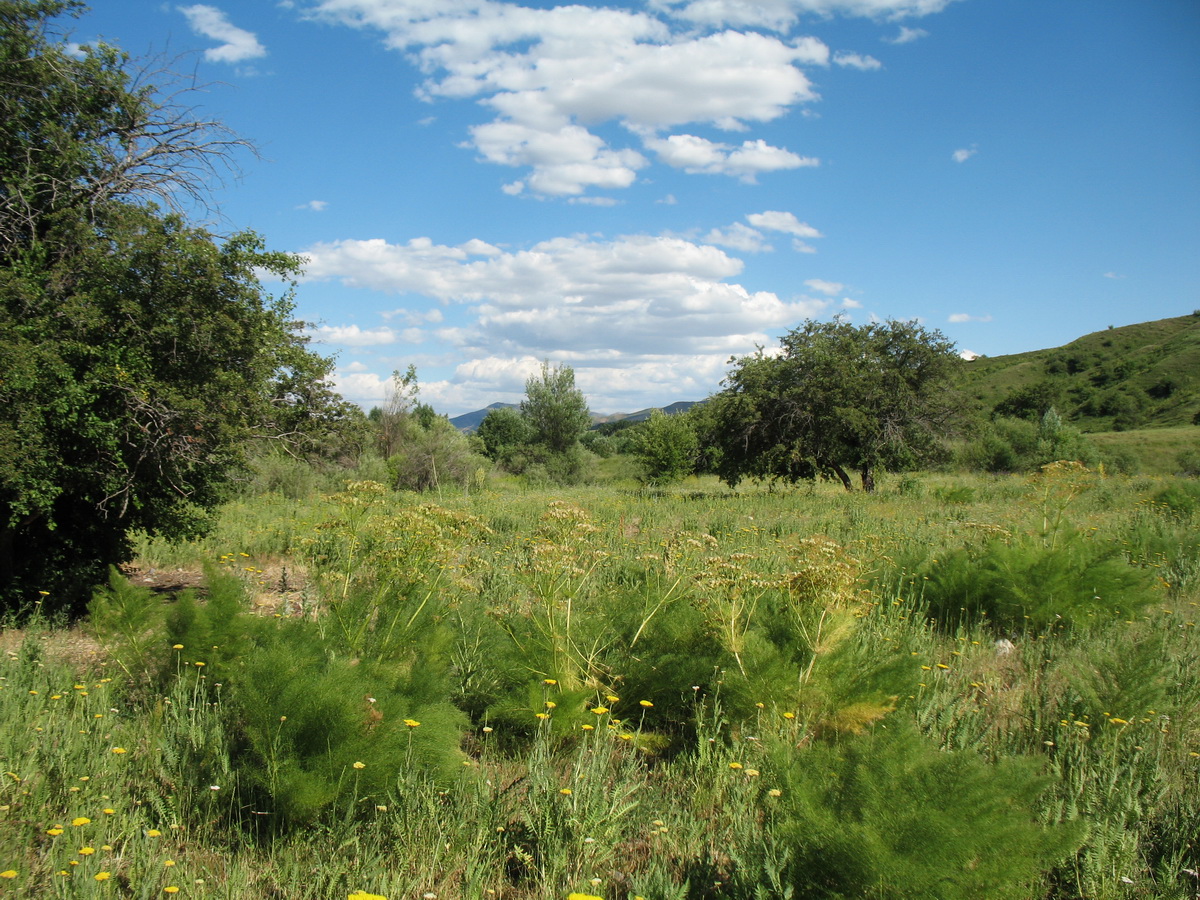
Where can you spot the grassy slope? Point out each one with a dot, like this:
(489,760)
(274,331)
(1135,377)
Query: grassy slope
(1142,362)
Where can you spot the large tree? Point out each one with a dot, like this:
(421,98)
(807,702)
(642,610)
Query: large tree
(555,409)
(139,355)
(835,398)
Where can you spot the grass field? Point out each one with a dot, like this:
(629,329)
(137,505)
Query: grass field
(957,687)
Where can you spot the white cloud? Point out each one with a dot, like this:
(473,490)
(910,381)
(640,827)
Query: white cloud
(353,336)
(698,155)
(959,318)
(824,287)
(965,153)
(738,237)
(847,303)
(779,14)
(314,205)
(907,35)
(774,220)
(1113,275)
(237,44)
(552,75)
(629,297)
(856,61)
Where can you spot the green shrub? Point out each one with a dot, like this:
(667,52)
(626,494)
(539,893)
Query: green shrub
(888,815)
(1021,583)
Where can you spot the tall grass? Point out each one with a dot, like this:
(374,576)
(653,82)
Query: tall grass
(689,693)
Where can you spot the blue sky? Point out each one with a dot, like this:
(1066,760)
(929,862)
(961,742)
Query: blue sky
(641,189)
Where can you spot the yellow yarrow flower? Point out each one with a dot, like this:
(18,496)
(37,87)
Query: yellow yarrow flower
(102,876)
(8,873)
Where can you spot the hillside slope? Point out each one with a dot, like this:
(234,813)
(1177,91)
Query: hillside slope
(1136,376)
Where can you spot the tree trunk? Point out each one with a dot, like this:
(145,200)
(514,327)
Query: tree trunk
(868,479)
(843,477)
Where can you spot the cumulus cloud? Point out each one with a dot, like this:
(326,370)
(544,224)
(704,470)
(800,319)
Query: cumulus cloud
(963,154)
(960,318)
(856,61)
(824,287)
(314,205)
(629,297)
(550,76)
(698,155)
(774,220)
(907,35)
(780,14)
(237,44)
(738,237)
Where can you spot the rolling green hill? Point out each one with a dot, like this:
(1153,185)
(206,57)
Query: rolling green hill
(1136,376)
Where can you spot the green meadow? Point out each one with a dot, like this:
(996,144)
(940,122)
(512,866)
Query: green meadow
(957,687)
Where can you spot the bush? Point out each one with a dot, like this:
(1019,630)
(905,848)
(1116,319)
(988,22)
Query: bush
(1021,583)
(887,815)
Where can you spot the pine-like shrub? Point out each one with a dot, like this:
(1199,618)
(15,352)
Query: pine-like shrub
(889,815)
(1021,583)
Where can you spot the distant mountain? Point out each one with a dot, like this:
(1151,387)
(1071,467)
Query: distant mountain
(1136,376)
(470,421)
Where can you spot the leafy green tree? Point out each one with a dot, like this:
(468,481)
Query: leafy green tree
(139,355)
(666,447)
(503,432)
(555,410)
(836,397)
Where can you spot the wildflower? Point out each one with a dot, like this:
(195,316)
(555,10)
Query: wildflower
(550,704)
(549,681)
(102,876)
(646,703)
(600,710)
(588,727)
(177,646)
(611,698)
(119,750)
(170,889)
(543,715)
(168,863)
(411,723)
(789,715)
(8,873)
(774,792)
(752,773)
(626,736)
(107,848)
(565,791)
(153,832)
(735,765)
(86,851)
(82,820)
(55,831)
(577,896)
(109,811)
(363,895)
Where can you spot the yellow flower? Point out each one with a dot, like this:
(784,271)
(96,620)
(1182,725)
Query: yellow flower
(102,876)
(153,832)
(626,736)
(566,791)
(645,703)
(82,820)
(8,873)
(543,715)
(735,765)
(411,723)
(363,895)
(168,862)
(775,792)
(600,710)
(360,765)
(86,851)
(611,698)
(108,811)
(578,896)
(119,750)
(549,681)
(170,889)
(550,704)
(588,727)
(789,715)
(54,832)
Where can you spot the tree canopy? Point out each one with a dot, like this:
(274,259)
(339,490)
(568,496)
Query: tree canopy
(139,354)
(836,398)
(556,410)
